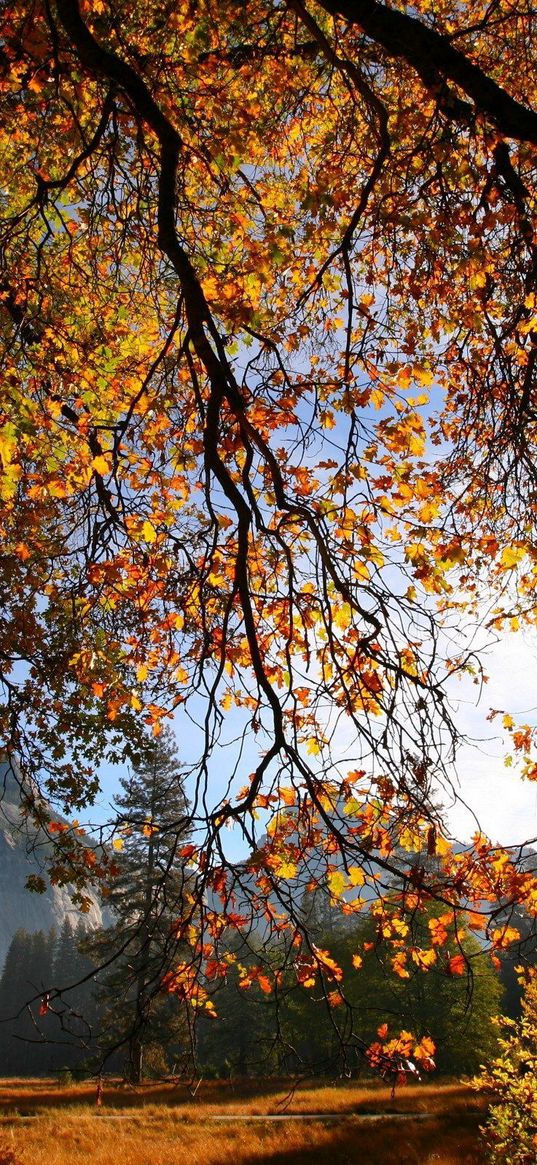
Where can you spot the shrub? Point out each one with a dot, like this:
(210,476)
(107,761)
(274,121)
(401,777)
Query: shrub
(511,1129)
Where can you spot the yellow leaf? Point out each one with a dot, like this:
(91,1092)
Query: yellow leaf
(443,847)
(8,443)
(423,376)
(502,937)
(512,555)
(148,532)
(57,489)
(399,965)
(100,465)
(343,616)
(424,959)
(118,843)
(356,876)
(336,883)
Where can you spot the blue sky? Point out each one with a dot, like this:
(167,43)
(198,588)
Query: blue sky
(505,805)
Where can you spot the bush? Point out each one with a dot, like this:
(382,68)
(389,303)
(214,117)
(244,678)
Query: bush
(511,1129)
(65,1077)
(155,1062)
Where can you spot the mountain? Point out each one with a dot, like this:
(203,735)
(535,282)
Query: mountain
(22,847)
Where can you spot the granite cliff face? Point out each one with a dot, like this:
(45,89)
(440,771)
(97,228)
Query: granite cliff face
(20,857)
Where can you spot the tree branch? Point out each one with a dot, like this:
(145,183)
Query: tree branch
(425,49)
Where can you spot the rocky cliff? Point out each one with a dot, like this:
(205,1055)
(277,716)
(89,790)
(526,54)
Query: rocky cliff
(21,854)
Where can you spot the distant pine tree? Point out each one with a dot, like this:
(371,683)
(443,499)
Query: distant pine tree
(11,1000)
(75,1010)
(27,975)
(146,898)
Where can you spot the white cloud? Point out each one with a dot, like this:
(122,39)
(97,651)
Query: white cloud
(505,805)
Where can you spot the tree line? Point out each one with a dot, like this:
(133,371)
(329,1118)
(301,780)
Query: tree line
(112,999)
(36,1041)
(254,1033)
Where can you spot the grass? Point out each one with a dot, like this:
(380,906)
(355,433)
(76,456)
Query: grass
(42,1124)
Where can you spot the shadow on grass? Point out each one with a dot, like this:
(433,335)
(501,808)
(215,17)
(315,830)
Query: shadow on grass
(441,1142)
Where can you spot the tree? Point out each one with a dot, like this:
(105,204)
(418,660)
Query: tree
(148,901)
(456,1009)
(27,974)
(75,1013)
(11,994)
(268,280)
(381,993)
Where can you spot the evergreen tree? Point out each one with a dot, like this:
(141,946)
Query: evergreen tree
(522,953)
(319,916)
(76,1009)
(146,899)
(42,1025)
(11,1000)
(28,971)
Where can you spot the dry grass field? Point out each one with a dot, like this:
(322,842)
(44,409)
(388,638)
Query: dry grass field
(44,1124)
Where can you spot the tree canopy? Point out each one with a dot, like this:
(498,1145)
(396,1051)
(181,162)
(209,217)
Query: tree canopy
(268,280)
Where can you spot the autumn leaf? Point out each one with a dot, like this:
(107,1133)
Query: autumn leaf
(285,869)
(264,984)
(424,959)
(512,556)
(336,883)
(503,937)
(328,964)
(399,966)
(100,464)
(457,965)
